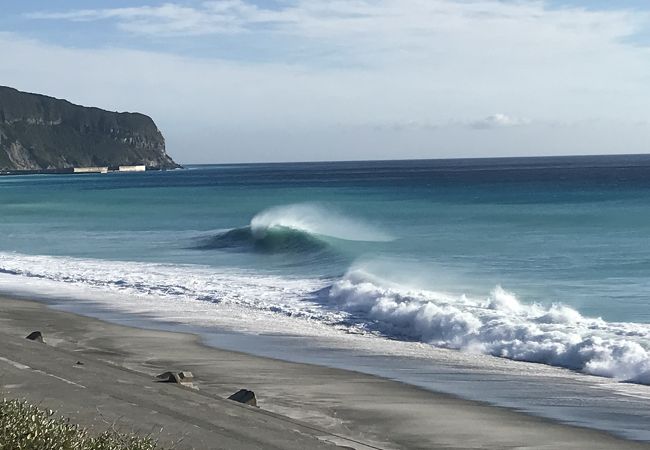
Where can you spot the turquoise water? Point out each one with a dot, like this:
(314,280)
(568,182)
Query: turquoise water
(537,259)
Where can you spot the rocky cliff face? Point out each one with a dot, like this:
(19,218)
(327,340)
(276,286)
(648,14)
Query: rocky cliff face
(39,132)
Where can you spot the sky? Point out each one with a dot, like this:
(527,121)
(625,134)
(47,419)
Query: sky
(304,80)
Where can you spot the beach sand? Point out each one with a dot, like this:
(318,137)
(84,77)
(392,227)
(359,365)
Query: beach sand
(301,406)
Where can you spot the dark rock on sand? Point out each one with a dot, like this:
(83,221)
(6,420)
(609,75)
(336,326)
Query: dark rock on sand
(244,396)
(35,336)
(176,377)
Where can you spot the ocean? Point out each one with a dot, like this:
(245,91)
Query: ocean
(523,282)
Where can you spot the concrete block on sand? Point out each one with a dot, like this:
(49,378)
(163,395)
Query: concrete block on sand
(244,396)
(176,377)
(35,336)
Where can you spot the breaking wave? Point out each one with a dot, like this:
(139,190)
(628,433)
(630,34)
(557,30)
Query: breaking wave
(171,285)
(276,240)
(498,325)
(293,229)
(315,220)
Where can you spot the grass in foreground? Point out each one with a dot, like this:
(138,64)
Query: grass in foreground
(26,427)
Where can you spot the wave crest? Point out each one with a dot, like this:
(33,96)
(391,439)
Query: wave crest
(499,325)
(299,228)
(315,220)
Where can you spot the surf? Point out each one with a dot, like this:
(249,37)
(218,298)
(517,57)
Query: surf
(294,228)
(362,302)
(276,240)
(318,220)
(498,324)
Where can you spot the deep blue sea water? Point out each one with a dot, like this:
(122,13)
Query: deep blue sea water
(543,260)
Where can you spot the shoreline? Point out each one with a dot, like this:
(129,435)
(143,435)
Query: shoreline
(364,410)
(555,394)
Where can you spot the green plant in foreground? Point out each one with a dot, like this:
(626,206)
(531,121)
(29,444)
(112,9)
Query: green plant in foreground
(26,427)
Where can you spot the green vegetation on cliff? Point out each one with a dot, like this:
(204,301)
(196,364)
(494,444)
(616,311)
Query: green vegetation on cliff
(39,132)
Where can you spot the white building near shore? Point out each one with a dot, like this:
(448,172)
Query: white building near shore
(90,170)
(141,168)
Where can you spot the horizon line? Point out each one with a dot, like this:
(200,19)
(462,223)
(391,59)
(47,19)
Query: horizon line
(579,155)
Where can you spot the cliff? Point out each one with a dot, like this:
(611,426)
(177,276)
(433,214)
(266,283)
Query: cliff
(39,132)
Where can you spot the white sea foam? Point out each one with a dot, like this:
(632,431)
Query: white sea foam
(170,282)
(498,325)
(315,219)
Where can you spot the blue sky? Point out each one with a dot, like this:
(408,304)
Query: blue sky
(240,80)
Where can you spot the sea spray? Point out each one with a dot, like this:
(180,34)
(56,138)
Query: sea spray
(499,325)
(298,229)
(171,286)
(315,219)
(362,302)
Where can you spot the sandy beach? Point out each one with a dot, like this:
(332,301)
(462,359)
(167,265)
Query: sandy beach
(300,405)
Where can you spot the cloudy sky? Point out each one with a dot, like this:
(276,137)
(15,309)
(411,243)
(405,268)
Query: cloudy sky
(298,80)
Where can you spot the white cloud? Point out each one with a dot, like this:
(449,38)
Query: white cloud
(489,122)
(165,20)
(169,19)
(361,78)
(340,19)
(498,120)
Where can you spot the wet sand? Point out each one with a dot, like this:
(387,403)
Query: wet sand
(300,405)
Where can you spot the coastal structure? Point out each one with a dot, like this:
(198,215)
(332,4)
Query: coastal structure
(79,170)
(140,168)
(90,170)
